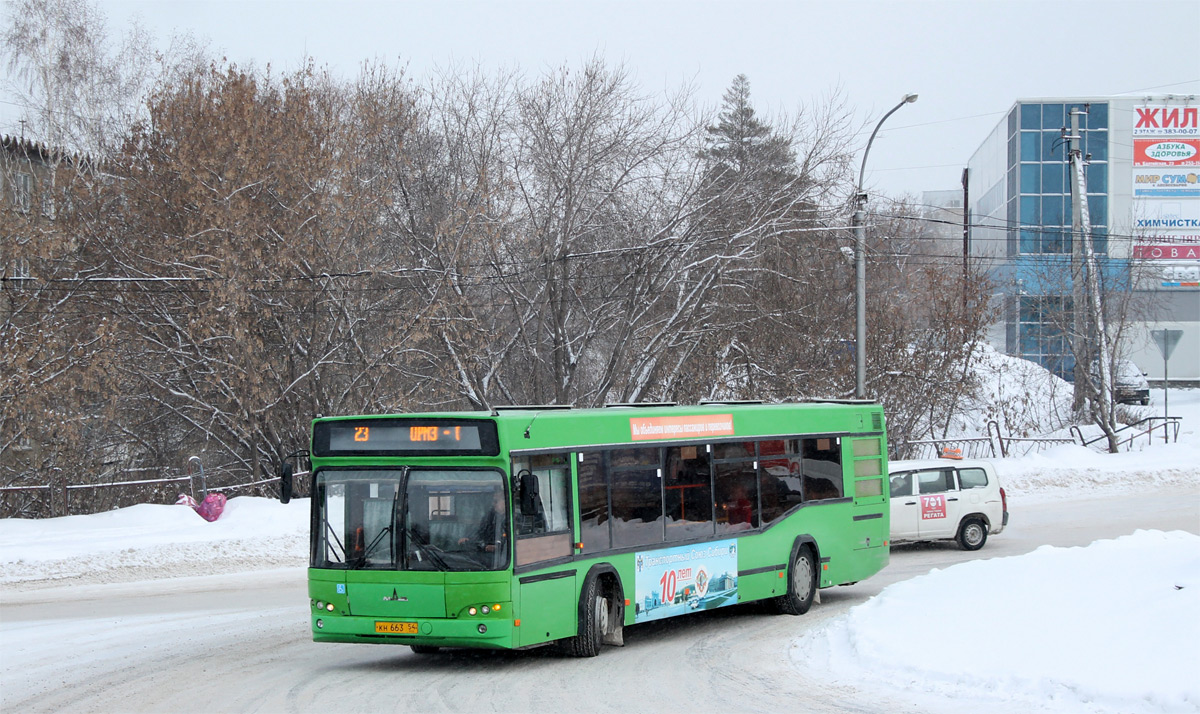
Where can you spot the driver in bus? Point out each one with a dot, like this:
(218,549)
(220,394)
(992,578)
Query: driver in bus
(493,528)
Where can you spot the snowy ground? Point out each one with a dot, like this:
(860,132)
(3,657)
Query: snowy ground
(1111,627)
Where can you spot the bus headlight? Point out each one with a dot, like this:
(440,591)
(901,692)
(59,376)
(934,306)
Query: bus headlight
(320,624)
(482,629)
(329,606)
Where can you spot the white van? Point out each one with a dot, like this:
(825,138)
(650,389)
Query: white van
(941,499)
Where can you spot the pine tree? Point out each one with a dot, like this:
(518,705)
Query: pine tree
(741,147)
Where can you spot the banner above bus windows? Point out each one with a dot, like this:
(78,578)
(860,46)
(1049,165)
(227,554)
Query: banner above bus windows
(647,428)
(405,437)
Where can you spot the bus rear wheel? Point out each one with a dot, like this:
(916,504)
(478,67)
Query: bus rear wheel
(802,584)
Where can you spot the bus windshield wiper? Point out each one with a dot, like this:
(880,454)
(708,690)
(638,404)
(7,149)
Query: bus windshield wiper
(373,545)
(427,549)
(337,541)
(420,545)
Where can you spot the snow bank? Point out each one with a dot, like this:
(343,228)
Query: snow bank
(149,540)
(1111,627)
(1107,628)
(1022,397)
(1073,471)
(1068,471)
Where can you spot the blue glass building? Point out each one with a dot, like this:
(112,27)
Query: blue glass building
(1139,204)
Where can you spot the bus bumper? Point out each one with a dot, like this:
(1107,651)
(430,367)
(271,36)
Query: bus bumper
(495,634)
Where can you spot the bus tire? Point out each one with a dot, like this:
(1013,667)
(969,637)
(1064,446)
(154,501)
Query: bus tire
(593,614)
(972,534)
(424,649)
(802,584)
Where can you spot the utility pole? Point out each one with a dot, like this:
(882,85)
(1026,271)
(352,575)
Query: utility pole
(1079,343)
(1081,222)
(966,236)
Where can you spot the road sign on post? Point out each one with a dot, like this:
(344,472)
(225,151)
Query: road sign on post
(1166,341)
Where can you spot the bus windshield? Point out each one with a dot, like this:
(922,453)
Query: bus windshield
(410,519)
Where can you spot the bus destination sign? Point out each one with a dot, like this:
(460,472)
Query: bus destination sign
(405,437)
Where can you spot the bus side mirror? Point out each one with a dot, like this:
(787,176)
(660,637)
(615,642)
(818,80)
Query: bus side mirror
(531,500)
(285,482)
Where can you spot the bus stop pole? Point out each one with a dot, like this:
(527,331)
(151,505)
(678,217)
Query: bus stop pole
(1166,396)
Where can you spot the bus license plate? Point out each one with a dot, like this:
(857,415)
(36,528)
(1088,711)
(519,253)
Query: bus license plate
(396,628)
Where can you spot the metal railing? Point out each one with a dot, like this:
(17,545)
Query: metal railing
(38,504)
(980,447)
(994,445)
(1164,428)
(1130,433)
(1032,444)
(61,498)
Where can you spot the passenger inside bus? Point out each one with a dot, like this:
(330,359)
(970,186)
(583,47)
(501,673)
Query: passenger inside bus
(738,508)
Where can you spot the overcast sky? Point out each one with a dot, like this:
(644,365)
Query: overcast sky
(967,59)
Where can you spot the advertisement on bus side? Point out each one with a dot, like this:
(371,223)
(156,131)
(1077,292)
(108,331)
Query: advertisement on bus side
(676,581)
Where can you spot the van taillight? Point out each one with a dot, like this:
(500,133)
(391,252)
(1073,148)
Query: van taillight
(1003,501)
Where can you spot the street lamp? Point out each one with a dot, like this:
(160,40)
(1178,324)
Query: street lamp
(860,265)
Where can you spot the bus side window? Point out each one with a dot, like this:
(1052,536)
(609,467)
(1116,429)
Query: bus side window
(541,508)
(822,466)
(593,502)
(635,477)
(779,488)
(688,489)
(737,487)
(541,488)
(529,513)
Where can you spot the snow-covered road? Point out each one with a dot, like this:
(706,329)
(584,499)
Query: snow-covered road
(240,642)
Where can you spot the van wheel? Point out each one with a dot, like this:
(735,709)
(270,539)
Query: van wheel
(593,619)
(802,584)
(972,534)
(424,649)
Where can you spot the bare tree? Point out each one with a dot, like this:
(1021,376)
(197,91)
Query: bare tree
(80,91)
(264,248)
(1055,326)
(253,289)
(54,383)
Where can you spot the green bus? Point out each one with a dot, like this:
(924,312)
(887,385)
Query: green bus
(524,526)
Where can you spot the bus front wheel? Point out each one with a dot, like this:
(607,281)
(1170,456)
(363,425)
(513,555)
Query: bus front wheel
(593,620)
(802,584)
(424,649)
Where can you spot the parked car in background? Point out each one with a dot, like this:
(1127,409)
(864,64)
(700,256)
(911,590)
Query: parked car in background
(1129,383)
(943,499)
